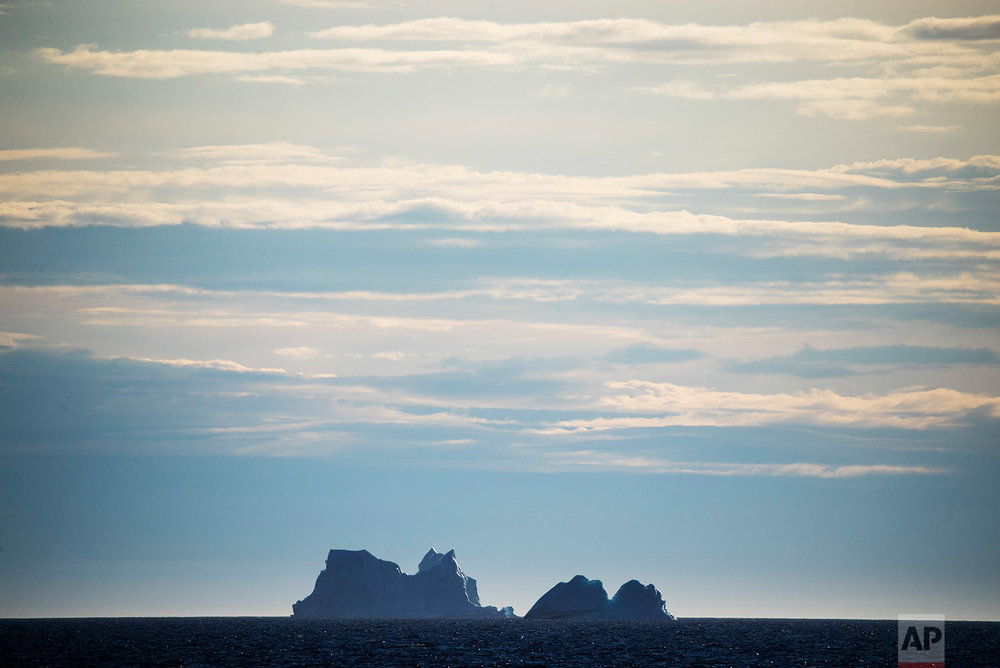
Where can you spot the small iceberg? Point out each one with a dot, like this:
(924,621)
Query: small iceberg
(581,598)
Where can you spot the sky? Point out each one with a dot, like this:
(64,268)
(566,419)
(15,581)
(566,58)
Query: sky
(699,293)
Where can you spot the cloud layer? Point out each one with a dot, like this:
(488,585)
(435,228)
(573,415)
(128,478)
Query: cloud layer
(283,185)
(560,279)
(925,62)
(150,400)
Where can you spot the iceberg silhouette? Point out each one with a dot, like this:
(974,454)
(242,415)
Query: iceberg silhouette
(356,584)
(581,598)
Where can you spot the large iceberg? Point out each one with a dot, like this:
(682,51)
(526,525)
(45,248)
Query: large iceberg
(581,598)
(357,584)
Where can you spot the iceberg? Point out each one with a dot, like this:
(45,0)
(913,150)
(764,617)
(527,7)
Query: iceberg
(581,598)
(633,600)
(356,584)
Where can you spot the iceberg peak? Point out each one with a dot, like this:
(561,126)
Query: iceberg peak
(430,560)
(434,558)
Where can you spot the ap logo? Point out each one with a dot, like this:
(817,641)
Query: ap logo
(921,641)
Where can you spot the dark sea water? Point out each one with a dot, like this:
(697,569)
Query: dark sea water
(282,641)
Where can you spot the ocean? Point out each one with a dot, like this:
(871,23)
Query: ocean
(284,641)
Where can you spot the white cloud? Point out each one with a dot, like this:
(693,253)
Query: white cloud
(899,288)
(775,237)
(912,166)
(965,287)
(393,355)
(220,365)
(409,183)
(16,340)
(453,242)
(678,405)
(311,411)
(759,41)
(851,98)
(843,40)
(292,186)
(237,32)
(805,197)
(151,64)
(52,154)
(273,78)
(276,152)
(972,27)
(926,62)
(607,461)
(682,88)
(933,129)
(582,45)
(858,98)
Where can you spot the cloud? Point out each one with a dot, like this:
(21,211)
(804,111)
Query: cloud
(52,154)
(284,185)
(858,98)
(968,28)
(153,64)
(932,129)
(809,362)
(804,197)
(983,166)
(165,305)
(677,405)
(16,339)
(642,39)
(592,459)
(601,42)
(456,242)
(375,326)
(583,45)
(764,238)
(72,401)
(429,184)
(276,152)
(273,79)
(237,32)
(219,365)
(682,88)
(854,98)
(895,288)
(393,355)
(927,62)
